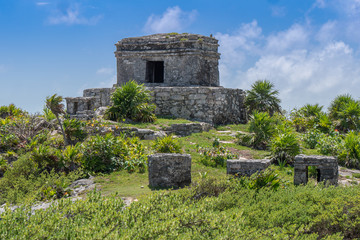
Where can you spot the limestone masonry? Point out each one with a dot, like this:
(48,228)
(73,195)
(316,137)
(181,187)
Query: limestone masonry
(181,71)
(326,166)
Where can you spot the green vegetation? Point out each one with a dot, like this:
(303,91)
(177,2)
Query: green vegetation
(167,144)
(131,101)
(39,160)
(263,98)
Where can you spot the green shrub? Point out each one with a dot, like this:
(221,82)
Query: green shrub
(330,144)
(349,154)
(109,153)
(285,146)
(312,138)
(70,158)
(48,114)
(264,179)
(25,181)
(131,101)
(167,144)
(74,130)
(345,112)
(45,157)
(216,156)
(10,111)
(262,127)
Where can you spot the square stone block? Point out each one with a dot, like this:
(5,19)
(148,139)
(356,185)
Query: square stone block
(169,170)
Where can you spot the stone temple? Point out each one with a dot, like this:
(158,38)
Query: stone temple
(181,71)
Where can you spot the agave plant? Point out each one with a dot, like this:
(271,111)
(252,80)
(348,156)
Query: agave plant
(263,98)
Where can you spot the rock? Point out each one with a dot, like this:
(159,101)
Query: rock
(169,170)
(246,167)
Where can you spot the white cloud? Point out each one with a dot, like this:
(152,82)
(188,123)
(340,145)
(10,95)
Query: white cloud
(294,37)
(307,64)
(173,20)
(42,3)
(105,71)
(70,15)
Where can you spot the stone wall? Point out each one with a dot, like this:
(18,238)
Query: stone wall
(246,167)
(92,99)
(215,105)
(327,168)
(189,59)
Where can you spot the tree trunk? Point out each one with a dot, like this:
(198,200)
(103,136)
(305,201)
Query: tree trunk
(62,130)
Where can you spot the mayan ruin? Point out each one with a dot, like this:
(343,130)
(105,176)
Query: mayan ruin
(180,70)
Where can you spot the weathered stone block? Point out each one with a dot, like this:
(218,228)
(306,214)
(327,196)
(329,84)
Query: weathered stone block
(327,166)
(169,170)
(246,167)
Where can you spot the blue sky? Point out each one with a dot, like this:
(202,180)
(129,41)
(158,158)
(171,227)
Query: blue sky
(310,49)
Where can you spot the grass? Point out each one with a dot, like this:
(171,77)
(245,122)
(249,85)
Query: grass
(160,124)
(136,184)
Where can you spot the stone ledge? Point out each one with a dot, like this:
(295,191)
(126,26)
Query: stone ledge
(246,167)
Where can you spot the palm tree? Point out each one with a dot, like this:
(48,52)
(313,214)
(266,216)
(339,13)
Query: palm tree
(263,98)
(54,103)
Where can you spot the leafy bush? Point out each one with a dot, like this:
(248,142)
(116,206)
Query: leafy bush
(74,130)
(10,111)
(349,154)
(215,156)
(330,144)
(310,117)
(167,144)
(345,112)
(312,138)
(45,157)
(70,158)
(131,101)
(285,146)
(262,127)
(109,153)
(211,209)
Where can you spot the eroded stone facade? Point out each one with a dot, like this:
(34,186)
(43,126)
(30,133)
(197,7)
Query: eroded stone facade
(327,168)
(246,167)
(169,170)
(183,59)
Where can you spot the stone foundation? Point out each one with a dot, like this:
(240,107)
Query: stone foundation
(187,129)
(246,167)
(169,170)
(327,168)
(214,105)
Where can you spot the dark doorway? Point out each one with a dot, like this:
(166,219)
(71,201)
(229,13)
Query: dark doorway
(155,72)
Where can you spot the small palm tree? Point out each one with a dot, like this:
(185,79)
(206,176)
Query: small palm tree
(54,103)
(131,101)
(263,98)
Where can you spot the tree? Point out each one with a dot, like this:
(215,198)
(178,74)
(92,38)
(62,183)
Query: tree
(131,101)
(263,98)
(345,112)
(54,103)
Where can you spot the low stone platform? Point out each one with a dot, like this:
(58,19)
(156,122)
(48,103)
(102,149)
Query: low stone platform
(169,170)
(246,167)
(187,129)
(327,168)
